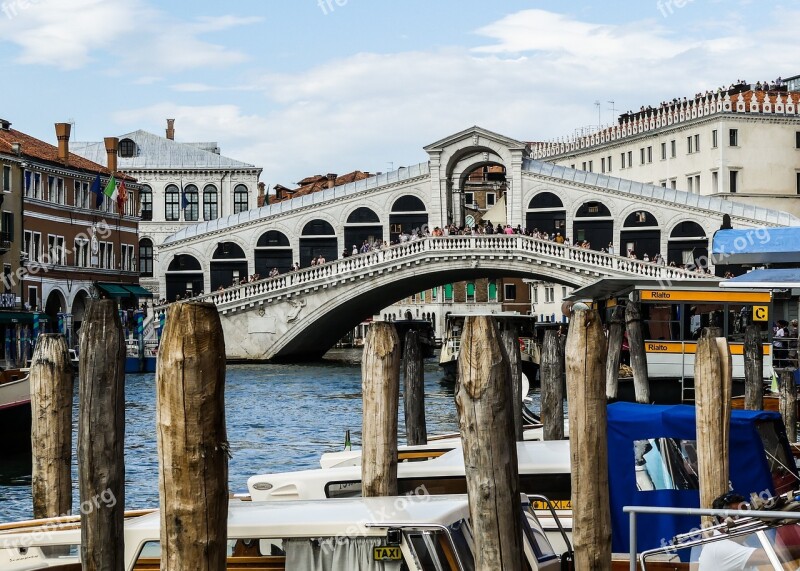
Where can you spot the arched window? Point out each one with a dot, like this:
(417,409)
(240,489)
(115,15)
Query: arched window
(127,148)
(362,215)
(210,211)
(545,200)
(146,257)
(172,203)
(191,203)
(239,199)
(408,203)
(146,202)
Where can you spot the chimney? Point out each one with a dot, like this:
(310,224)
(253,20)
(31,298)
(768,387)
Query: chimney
(171,129)
(112,147)
(62,134)
(16,148)
(262,198)
(331,180)
(5,125)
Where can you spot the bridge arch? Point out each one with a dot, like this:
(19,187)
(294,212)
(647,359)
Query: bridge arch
(273,250)
(228,265)
(409,213)
(362,225)
(546,213)
(184,276)
(688,243)
(640,233)
(593,222)
(318,237)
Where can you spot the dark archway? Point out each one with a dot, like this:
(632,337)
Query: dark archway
(546,213)
(593,223)
(318,239)
(363,225)
(228,265)
(408,215)
(54,305)
(184,277)
(640,233)
(687,244)
(273,251)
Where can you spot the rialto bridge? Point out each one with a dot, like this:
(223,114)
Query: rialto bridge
(303,313)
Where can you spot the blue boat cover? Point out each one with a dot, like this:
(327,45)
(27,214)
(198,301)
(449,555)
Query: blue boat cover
(629,422)
(756,245)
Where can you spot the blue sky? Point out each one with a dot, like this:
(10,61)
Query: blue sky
(301,87)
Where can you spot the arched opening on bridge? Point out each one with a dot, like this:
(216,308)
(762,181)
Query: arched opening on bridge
(78,312)
(408,215)
(546,213)
(593,224)
(228,265)
(54,305)
(484,190)
(687,244)
(318,238)
(363,225)
(273,251)
(184,277)
(640,234)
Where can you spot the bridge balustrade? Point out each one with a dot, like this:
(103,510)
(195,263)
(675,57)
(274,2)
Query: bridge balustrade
(466,245)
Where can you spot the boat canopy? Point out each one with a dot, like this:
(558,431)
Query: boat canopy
(757,246)
(652,461)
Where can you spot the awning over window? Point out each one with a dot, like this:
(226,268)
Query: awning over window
(20,317)
(123,290)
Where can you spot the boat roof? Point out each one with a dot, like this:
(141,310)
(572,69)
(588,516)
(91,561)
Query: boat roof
(772,278)
(617,287)
(496,314)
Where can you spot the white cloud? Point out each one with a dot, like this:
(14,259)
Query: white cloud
(71,34)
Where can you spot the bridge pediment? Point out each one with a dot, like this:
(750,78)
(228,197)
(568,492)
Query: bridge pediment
(474,137)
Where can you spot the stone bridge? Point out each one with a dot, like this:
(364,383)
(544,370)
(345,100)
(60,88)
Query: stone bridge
(302,314)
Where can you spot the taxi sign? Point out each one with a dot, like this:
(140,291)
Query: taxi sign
(557,504)
(386,553)
(760,313)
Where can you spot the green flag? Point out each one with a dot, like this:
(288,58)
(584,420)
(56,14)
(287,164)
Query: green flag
(111,188)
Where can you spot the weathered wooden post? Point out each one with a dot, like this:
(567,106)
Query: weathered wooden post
(101,433)
(380,386)
(192,440)
(753,369)
(591,512)
(616,329)
(633,324)
(414,390)
(713,386)
(490,454)
(788,403)
(551,373)
(510,339)
(51,427)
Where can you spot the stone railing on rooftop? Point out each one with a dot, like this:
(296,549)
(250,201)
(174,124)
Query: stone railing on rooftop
(776,103)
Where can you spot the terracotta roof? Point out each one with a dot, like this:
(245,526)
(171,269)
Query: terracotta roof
(314,184)
(36,149)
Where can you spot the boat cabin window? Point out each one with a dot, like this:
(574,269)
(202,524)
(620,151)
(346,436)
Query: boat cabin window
(662,322)
(778,458)
(665,464)
(434,552)
(251,553)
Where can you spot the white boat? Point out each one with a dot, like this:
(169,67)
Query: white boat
(454,326)
(15,411)
(438,467)
(414,533)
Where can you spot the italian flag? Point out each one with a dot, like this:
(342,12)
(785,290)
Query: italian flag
(111,188)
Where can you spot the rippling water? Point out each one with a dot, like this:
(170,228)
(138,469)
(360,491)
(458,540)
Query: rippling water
(279,417)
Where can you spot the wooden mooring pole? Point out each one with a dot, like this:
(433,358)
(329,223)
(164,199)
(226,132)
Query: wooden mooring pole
(510,339)
(551,373)
(616,330)
(788,403)
(633,324)
(591,512)
(51,428)
(713,386)
(486,422)
(192,441)
(380,387)
(101,434)
(414,390)
(753,369)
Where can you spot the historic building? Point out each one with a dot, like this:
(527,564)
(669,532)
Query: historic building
(739,144)
(182,184)
(67,241)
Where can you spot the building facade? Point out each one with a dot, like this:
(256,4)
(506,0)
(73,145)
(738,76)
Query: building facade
(182,184)
(69,244)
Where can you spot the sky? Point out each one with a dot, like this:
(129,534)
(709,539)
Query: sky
(302,87)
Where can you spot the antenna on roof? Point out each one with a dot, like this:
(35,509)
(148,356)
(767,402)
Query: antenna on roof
(74,130)
(599,122)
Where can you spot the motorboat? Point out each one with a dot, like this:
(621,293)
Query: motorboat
(413,533)
(15,410)
(454,327)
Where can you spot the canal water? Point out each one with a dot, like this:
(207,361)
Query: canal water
(279,418)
